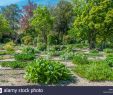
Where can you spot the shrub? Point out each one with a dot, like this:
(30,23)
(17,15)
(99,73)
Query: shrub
(14,64)
(46,72)
(27,40)
(9,46)
(95,71)
(80,59)
(23,57)
(69,39)
(53,39)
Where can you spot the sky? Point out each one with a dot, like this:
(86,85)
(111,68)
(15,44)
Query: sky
(22,2)
(7,2)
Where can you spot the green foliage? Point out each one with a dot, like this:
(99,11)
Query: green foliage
(4,26)
(68,39)
(12,14)
(9,46)
(46,72)
(94,22)
(54,53)
(41,46)
(14,64)
(95,71)
(3,52)
(109,60)
(80,59)
(27,40)
(108,50)
(24,56)
(53,39)
(94,53)
(29,50)
(67,55)
(63,14)
(81,45)
(42,21)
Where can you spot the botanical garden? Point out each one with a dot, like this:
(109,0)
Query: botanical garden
(68,44)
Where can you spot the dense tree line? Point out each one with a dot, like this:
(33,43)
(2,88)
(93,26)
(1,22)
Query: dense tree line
(68,22)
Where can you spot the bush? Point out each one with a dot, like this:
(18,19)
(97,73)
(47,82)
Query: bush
(69,39)
(27,40)
(53,39)
(25,56)
(9,46)
(46,72)
(95,71)
(80,59)
(14,64)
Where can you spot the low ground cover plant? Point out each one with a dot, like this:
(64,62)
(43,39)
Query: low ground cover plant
(67,55)
(29,50)
(24,56)
(94,53)
(95,71)
(80,59)
(108,50)
(3,52)
(109,60)
(14,64)
(46,72)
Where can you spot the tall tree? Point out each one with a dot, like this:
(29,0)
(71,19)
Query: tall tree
(92,22)
(63,14)
(27,12)
(42,21)
(4,26)
(12,14)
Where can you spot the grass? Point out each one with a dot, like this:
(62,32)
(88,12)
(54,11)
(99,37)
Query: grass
(80,59)
(14,64)
(24,56)
(95,71)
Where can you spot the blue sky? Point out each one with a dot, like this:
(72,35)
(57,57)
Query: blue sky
(22,2)
(7,2)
